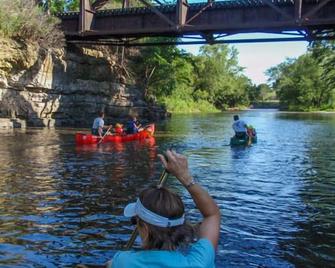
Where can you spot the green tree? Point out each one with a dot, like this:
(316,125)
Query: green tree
(55,6)
(299,83)
(39,28)
(161,70)
(219,77)
(261,92)
(209,81)
(324,53)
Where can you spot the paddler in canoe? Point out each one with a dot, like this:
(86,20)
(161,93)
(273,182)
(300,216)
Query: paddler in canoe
(168,240)
(244,134)
(251,131)
(118,129)
(240,128)
(98,127)
(133,125)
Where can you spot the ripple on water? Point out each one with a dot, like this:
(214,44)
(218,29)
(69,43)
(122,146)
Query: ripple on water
(62,205)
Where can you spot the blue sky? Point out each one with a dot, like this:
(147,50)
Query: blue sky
(258,57)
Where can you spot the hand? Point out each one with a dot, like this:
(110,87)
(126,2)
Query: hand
(177,165)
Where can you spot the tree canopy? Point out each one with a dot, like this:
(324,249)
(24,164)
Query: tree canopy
(308,82)
(212,77)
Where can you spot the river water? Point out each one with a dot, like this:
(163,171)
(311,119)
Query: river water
(61,205)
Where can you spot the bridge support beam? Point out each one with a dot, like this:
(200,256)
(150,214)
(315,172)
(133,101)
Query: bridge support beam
(98,4)
(298,10)
(182,7)
(158,13)
(125,4)
(86,16)
(209,4)
(301,19)
(315,9)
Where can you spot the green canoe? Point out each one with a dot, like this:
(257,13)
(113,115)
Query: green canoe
(238,141)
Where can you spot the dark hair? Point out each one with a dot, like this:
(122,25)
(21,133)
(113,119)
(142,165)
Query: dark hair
(165,203)
(236,117)
(101,114)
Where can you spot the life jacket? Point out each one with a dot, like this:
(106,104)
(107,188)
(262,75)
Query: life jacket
(118,128)
(251,131)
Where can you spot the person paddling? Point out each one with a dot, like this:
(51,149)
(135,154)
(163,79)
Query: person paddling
(168,240)
(99,125)
(240,128)
(133,126)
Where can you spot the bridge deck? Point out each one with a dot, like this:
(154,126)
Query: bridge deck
(192,7)
(311,18)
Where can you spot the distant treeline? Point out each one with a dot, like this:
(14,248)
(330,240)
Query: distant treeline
(209,81)
(308,82)
(213,80)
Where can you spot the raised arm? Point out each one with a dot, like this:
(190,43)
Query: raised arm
(177,165)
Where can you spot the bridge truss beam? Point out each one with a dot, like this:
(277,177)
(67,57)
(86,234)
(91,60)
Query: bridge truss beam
(209,22)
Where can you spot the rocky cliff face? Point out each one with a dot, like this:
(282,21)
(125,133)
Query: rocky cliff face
(66,87)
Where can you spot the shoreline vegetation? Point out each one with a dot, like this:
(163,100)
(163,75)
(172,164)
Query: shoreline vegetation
(211,81)
(25,22)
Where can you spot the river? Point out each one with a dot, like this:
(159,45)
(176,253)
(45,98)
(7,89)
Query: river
(61,205)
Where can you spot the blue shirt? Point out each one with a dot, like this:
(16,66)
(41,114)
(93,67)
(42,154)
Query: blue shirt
(98,122)
(199,255)
(132,127)
(239,126)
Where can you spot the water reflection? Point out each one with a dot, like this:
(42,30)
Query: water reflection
(316,220)
(61,205)
(67,204)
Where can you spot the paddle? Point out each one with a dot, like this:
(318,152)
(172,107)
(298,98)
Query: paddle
(250,135)
(134,234)
(146,126)
(100,141)
(249,141)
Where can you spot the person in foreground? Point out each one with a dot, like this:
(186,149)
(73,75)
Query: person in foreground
(240,128)
(99,125)
(167,239)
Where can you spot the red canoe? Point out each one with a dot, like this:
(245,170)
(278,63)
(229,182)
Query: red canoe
(82,138)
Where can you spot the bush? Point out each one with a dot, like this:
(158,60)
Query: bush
(24,21)
(178,105)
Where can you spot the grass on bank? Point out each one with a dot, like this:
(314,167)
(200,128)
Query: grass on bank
(301,108)
(178,106)
(24,21)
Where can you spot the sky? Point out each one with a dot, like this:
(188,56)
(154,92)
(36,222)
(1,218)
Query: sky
(258,57)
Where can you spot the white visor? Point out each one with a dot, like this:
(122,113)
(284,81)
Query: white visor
(137,209)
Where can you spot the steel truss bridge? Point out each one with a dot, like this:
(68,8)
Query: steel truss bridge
(198,23)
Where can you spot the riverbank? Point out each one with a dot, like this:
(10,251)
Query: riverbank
(188,106)
(67,87)
(307,113)
(275,104)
